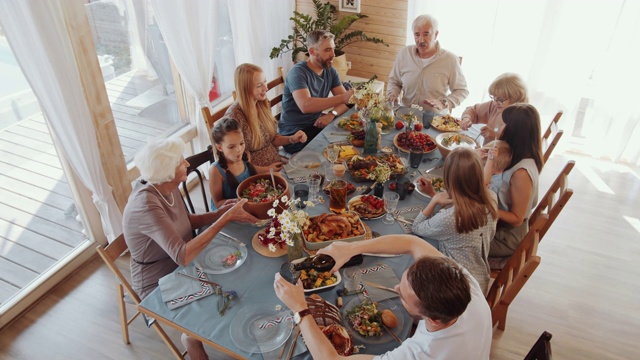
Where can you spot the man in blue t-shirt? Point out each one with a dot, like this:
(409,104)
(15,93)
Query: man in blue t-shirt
(306,91)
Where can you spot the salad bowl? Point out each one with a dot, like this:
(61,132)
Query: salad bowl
(261,198)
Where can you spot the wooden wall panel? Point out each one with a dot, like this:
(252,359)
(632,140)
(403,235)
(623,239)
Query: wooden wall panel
(387,20)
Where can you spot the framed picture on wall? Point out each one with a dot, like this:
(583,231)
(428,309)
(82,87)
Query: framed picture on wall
(349,6)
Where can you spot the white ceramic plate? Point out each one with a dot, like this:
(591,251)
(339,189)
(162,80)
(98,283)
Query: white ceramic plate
(307,160)
(336,274)
(261,328)
(402,112)
(211,259)
(363,217)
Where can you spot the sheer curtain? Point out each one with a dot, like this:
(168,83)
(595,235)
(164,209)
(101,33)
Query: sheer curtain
(257,27)
(37,34)
(190,36)
(580,57)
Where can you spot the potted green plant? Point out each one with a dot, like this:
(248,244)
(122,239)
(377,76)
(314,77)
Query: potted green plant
(326,18)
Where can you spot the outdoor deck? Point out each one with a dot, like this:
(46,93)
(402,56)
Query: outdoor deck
(38,223)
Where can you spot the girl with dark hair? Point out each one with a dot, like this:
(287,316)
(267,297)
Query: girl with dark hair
(466,221)
(233,164)
(518,193)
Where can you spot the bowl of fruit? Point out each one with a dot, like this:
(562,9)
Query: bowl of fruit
(406,140)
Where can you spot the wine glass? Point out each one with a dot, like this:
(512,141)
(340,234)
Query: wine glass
(314,187)
(333,152)
(390,202)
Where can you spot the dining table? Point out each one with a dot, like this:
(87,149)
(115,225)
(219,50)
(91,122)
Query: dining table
(253,280)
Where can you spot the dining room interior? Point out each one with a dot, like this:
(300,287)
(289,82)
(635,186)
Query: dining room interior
(122,70)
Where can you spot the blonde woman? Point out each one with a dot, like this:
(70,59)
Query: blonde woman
(466,221)
(253,112)
(506,89)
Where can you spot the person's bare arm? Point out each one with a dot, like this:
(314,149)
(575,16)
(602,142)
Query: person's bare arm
(520,188)
(387,244)
(298,137)
(319,346)
(309,104)
(227,213)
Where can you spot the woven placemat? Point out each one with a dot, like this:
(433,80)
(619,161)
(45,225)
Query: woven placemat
(367,236)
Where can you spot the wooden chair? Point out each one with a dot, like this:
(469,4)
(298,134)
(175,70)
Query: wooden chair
(549,142)
(515,274)
(541,350)
(109,254)
(554,199)
(196,161)
(550,205)
(211,119)
(278,98)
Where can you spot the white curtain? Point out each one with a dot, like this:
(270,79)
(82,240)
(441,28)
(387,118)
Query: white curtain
(190,36)
(257,27)
(578,56)
(37,34)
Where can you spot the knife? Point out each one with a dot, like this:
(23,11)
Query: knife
(433,168)
(232,238)
(369,189)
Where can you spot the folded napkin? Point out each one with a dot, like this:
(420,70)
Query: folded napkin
(380,274)
(406,216)
(334,137)
(178,290)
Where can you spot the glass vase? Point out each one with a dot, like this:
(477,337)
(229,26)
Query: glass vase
(371,137)
(294,251)
(387,119)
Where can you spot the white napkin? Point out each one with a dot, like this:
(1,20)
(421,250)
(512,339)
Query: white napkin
(332,137)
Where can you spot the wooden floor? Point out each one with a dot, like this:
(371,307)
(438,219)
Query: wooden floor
(38,223)
(585,292)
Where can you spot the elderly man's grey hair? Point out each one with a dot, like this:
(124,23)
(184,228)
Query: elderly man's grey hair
(423,20)
(158,159)
(316,36)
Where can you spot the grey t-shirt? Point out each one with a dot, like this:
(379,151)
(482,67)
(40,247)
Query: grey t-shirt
(300,77)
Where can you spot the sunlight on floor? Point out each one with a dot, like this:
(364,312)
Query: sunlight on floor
(594,178)
(635,222)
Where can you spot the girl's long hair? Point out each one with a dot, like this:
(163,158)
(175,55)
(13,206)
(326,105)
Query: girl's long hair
(256,112)
(220,129)
(463,179)
(522,133)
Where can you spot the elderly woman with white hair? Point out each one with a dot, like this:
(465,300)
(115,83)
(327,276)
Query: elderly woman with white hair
(426,73)
(157,227)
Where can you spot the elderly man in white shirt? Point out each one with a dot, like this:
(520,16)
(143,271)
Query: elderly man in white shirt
(426,73)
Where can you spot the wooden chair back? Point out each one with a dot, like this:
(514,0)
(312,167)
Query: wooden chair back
(211,119)
(196,161)
(551,137)
(275,84)
(541,350)
(515,274)
(554,200)
(110,254)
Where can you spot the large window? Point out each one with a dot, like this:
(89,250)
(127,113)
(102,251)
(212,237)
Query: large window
(137,71)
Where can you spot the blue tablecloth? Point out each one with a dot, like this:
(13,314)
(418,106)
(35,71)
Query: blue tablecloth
(253,281)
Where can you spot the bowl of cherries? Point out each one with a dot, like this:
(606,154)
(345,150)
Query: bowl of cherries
(356,138)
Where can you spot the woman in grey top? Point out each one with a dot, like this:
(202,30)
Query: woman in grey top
(157,228)
(466,221)
(518,193)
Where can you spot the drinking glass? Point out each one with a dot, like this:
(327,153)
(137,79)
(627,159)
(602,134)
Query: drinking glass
(415,157)
(333,151)
(301,191)
(390,202)
(338,196)
(314,187)
(339,169)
